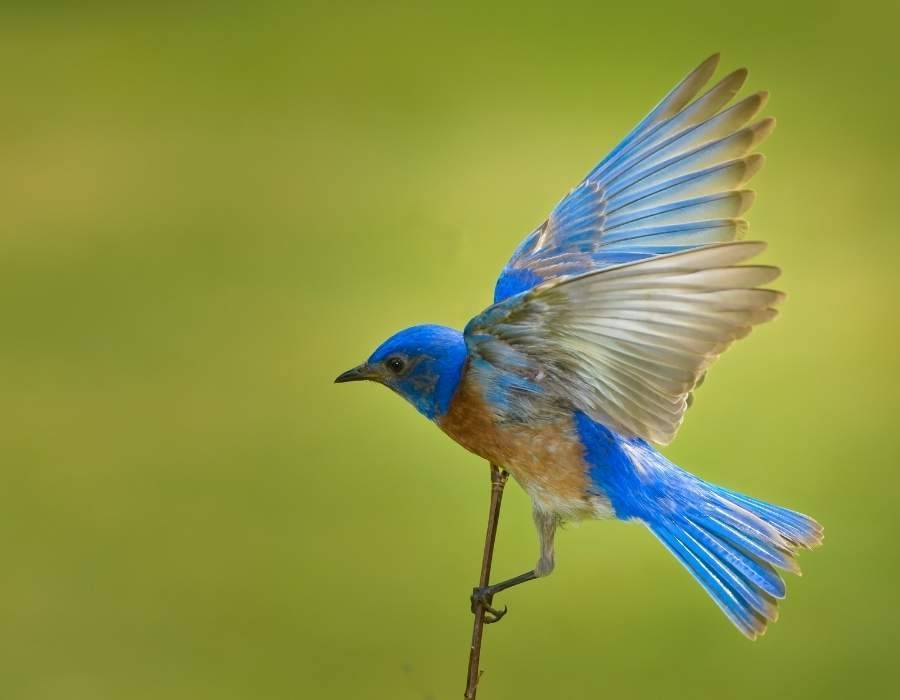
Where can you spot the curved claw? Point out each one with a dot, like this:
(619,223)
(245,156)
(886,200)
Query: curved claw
(497,615)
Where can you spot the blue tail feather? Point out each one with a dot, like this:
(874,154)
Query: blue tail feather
(758,541)
(798,528)
(732,544)
(759,574)
(719,581)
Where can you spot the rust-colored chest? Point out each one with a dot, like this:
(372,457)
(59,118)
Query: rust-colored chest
(547,459)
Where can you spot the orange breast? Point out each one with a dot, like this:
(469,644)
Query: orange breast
(547,459)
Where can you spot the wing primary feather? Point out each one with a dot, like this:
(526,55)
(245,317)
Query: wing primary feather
(715,127)
(721,205)
(671,104)
(661,170)
(697,112)
(727,175)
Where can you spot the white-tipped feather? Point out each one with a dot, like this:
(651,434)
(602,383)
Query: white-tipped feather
(713,129)
(669,106)
(723,176)
(696,113)
(725,205)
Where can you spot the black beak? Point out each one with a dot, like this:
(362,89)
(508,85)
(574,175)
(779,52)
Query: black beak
(357,374)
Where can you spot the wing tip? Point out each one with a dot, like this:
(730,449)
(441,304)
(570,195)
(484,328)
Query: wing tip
(702,73)
(752,165)
(777,296)
(741,72)
(760,130)
(709,63)
(746,199)
(768,273)
(752,246)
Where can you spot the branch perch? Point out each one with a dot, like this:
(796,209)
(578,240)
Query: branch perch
(498,482)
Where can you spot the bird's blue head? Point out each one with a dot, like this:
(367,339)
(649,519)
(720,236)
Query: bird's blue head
(423,364)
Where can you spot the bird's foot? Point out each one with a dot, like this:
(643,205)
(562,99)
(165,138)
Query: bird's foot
(483,598)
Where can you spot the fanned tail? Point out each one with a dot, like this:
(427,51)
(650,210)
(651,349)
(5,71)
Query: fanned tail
(733,545)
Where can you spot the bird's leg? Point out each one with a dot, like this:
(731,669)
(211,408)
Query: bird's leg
(546,524)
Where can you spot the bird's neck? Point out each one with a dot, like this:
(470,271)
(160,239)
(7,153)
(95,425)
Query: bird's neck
(450,369)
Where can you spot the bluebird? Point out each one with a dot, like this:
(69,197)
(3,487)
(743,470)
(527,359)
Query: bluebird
(604,322)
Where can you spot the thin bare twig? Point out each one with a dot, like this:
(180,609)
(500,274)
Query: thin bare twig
(498,481)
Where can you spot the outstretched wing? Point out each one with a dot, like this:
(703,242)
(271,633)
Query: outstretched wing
(672,184)
(625,344)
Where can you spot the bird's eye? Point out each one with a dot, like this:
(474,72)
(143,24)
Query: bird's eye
(395,364)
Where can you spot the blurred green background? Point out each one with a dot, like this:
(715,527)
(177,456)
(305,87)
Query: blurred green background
(210,209)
